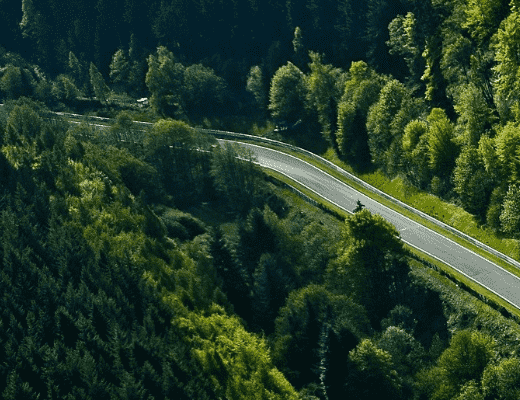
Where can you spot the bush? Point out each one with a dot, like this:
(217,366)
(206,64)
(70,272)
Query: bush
(182,225)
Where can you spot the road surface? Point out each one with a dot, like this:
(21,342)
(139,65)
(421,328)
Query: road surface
(472,265)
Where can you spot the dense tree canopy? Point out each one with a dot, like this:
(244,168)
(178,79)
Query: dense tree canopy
(154,263)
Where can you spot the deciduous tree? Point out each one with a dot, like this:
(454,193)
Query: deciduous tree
(510,216)
(507,143)
(372,373)
(255,85)
(203,92)
(369,263)
(501,381)
(442,149)
(471,181)
(507,58)
(287,94)
(475,116)
(164,80)
(379,123)
(322,96)
(361,91)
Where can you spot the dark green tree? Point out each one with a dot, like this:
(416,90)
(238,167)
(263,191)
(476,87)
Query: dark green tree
(361,91)
(101,90)
(203,92)
(369,264)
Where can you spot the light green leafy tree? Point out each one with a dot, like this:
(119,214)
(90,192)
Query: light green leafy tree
(321,96)
(101,90)
(11,82)
(255,86)
(372,374)
(475,116)
(167,133)
(471,181)
(164,80)
(483,17)
(510,216)
(455,62)
(368,265)
(432,76)
(415,146)
(64,89)
(299,47)
(488,153)
(403,41)
(470,391)
(507,143)
(381,131)
(408,355)
(507,58)
(78,72)
(361,91)
(287,94)
(442,149)
(237,362)
(502,381)
(463,361)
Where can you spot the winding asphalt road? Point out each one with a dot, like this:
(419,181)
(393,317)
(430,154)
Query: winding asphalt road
(472,265)
(475,267)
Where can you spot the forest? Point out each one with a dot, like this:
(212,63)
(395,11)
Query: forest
(132,270)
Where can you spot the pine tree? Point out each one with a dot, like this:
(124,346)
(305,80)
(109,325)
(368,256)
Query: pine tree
(99,86)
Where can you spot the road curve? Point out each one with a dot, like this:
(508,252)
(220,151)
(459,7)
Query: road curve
(470,264)
(475,267)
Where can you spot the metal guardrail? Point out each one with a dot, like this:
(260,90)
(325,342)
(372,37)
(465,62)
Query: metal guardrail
(242,136)
(462,235)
